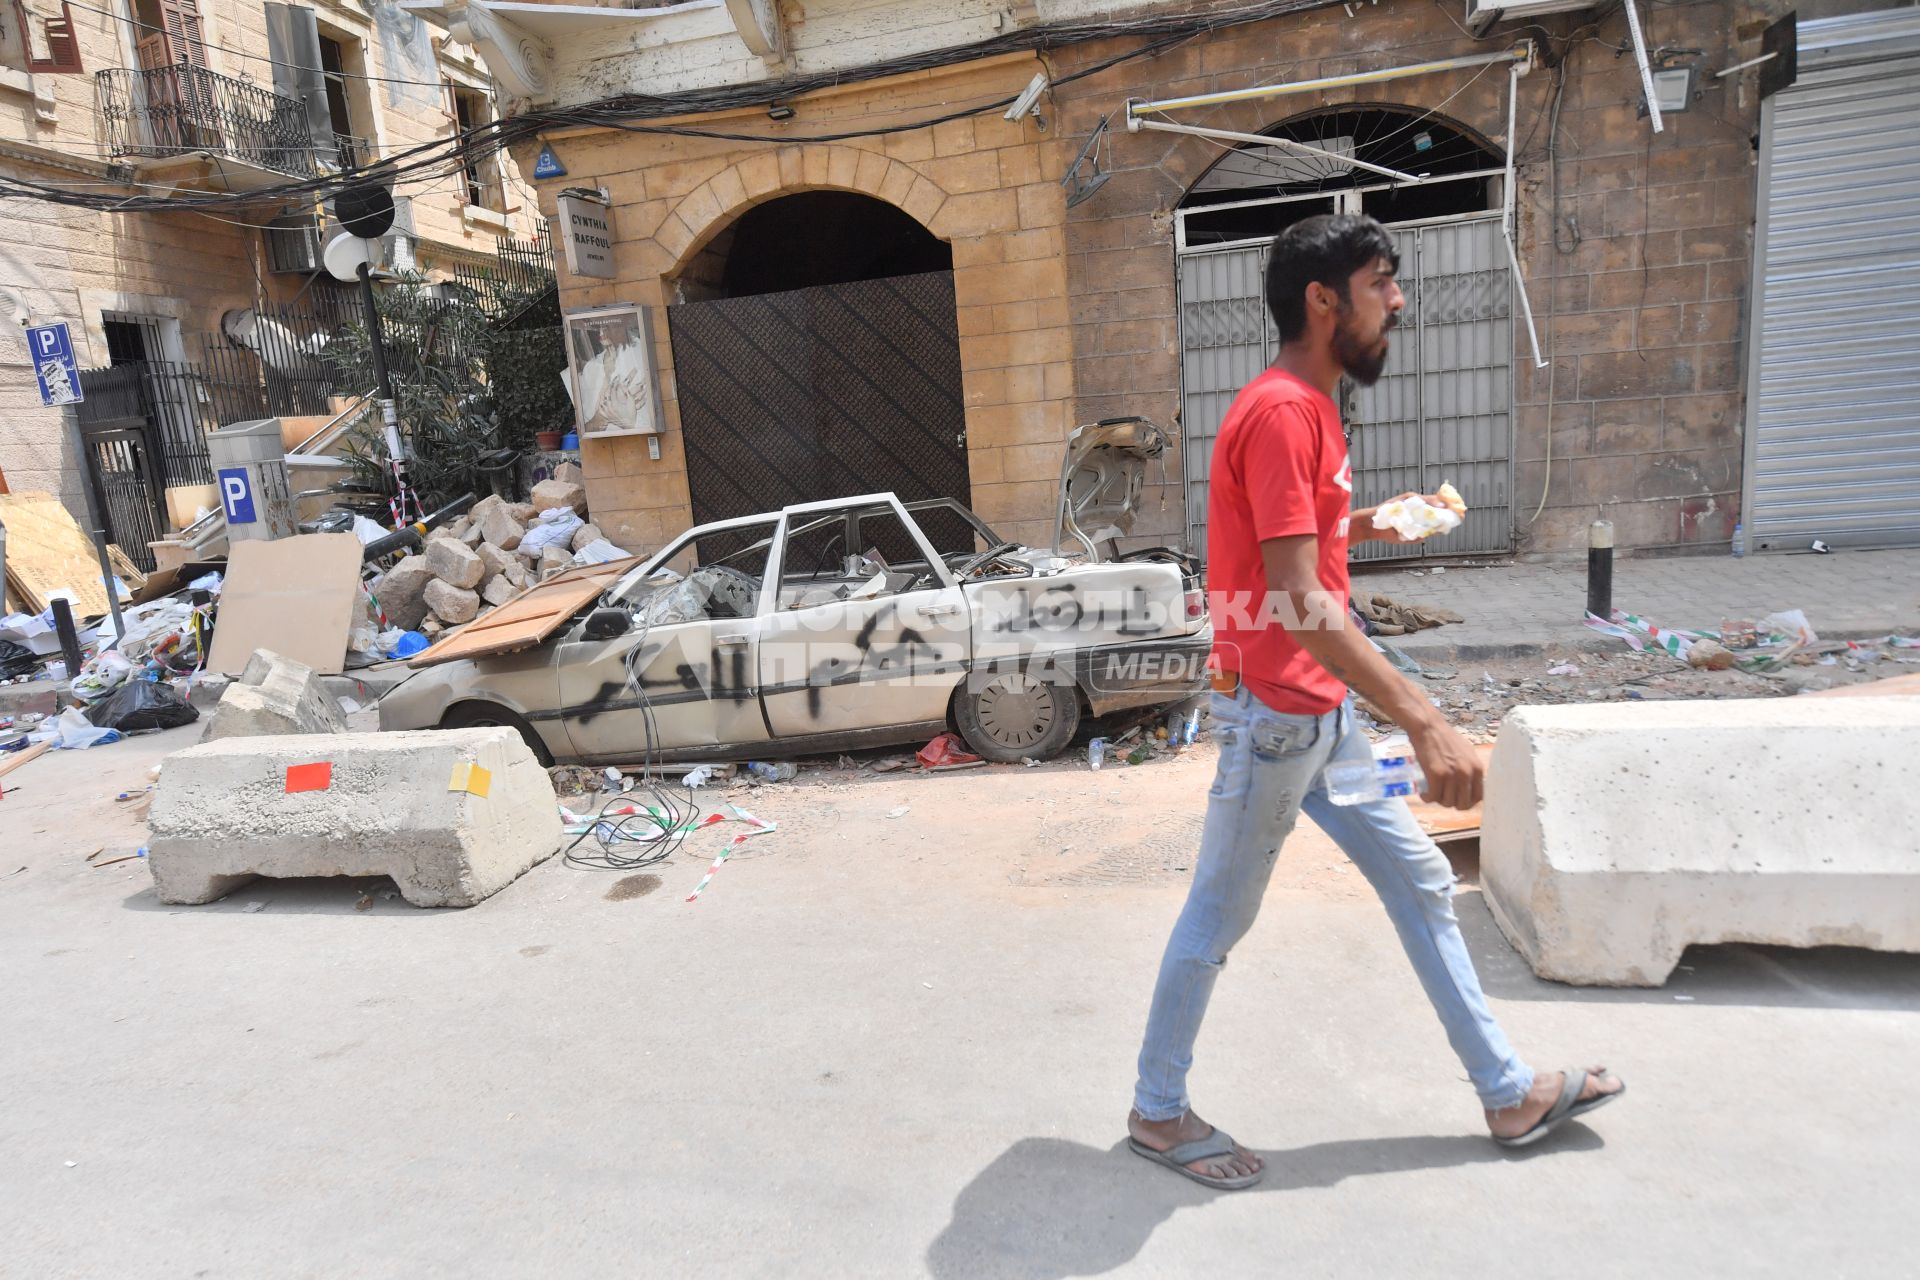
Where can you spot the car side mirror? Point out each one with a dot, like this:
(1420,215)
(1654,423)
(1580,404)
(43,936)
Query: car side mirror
(606,623)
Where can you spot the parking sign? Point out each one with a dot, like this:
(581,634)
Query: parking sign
(236,496)
(53,364)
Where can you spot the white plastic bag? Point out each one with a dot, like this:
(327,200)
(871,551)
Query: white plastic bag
(1791,623)
(1412,518)
(599,551)
(73,731)
(554,527)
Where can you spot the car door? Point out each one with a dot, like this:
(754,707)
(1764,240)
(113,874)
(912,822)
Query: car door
(867,629)
(674,682)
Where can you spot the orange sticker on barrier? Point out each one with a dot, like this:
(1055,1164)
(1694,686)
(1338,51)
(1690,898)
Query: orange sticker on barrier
(309,777)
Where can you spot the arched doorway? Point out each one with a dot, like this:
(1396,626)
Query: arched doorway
(1442,410)
(816,356)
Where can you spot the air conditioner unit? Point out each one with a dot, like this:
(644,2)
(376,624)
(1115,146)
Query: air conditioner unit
(293,243)
(1483,14)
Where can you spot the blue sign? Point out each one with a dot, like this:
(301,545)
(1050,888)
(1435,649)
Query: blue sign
(548,165)
(53,364)
(236,497)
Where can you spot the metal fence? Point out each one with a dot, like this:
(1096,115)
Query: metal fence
(176,110)
(522,270)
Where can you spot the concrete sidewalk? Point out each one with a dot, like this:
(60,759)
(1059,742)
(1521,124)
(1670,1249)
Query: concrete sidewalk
(1520,608)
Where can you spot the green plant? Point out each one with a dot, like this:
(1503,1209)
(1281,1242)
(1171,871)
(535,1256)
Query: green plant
(464,385)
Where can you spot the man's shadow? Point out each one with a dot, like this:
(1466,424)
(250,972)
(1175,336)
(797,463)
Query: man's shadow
(1048,1208)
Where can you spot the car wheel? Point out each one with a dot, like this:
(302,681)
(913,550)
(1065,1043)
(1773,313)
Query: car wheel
(1011,716)
(486,715)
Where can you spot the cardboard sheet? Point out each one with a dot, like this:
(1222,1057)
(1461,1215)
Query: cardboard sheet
(295,596)
(528,618)
(48,552)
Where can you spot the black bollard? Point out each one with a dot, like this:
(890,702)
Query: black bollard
(69,638)
(1600,569)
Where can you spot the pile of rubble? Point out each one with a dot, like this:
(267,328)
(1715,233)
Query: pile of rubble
(486,557)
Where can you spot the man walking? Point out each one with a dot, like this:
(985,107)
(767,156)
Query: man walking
(1278,528)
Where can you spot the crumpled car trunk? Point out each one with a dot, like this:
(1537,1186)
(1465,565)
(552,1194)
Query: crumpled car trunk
(1100,484)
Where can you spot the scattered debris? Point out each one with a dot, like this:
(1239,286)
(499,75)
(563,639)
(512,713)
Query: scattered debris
(784,771)
(1386,616)
(900,812)
(254,906)
(948,751)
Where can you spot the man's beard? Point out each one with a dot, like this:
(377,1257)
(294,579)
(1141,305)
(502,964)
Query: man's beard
(1363,361)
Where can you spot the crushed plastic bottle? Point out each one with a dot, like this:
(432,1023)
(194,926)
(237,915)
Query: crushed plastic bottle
(1192,730)
(785,771)
(1362,782)
(1097,752)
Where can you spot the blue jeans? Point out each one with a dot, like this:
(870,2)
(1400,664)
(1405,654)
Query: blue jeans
(1270,768)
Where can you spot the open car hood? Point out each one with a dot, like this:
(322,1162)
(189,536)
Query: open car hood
(1101,481)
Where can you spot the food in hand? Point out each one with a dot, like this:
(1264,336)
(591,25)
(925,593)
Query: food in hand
(1451,496)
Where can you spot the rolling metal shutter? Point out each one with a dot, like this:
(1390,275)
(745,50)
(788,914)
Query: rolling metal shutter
(1834,450)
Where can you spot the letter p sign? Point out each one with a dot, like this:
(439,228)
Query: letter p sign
(236,498)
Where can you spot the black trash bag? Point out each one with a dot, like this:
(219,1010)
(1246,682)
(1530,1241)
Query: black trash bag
(142,704)
(17,660)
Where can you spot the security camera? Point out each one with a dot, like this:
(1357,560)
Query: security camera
(1028,103)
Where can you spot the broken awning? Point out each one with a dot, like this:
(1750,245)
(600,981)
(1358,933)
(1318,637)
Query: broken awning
(528,618)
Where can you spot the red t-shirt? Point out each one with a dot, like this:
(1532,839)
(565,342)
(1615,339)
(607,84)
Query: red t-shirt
(1280,469)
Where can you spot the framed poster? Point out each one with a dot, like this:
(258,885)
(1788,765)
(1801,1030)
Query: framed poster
(611,371)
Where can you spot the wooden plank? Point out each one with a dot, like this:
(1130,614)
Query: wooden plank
(47,552)
(528,618)
(15,759)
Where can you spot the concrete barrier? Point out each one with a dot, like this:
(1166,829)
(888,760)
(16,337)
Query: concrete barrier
(275,695)
(452,815)
(1615,835)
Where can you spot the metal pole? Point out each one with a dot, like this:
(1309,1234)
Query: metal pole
(1600,569)
(106,578)
(389,415)
(1646,67)
(1508,219)
(69,637)
(1520,52)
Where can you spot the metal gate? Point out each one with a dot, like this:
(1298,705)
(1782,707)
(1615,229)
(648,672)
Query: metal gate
(821,393)
(123,468)
(1440,412)
(1834,447)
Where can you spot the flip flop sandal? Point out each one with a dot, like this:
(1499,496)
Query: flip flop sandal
(1178,1158)
(1567,1106)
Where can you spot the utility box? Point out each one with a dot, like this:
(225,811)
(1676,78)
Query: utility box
(250,470)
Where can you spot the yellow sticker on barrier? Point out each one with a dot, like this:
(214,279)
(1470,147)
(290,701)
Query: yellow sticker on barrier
(471,778)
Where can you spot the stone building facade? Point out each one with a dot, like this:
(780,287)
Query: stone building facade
(115,114)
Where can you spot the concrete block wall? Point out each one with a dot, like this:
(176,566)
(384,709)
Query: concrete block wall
(1643,319)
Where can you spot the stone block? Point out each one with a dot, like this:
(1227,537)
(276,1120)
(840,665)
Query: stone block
(455,563)
(492,502)
(524,512)
(1616,835)
(549,494)
(553,559)
(500,528)
(494,560)
(275,695)
(569,473)
(392,804)
(402,592)
(498,590)
(584,534)
(473,537)
(452,604)
(441,533)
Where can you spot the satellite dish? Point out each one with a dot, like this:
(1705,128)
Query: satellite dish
(344,254)
(365,209)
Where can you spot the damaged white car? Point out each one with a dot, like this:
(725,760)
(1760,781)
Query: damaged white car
(827,626)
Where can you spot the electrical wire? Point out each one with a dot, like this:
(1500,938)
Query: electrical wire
(621,112)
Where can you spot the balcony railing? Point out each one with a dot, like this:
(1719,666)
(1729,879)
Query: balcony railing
(179,110)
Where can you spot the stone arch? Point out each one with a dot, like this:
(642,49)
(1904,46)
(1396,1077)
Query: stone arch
(716,204)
